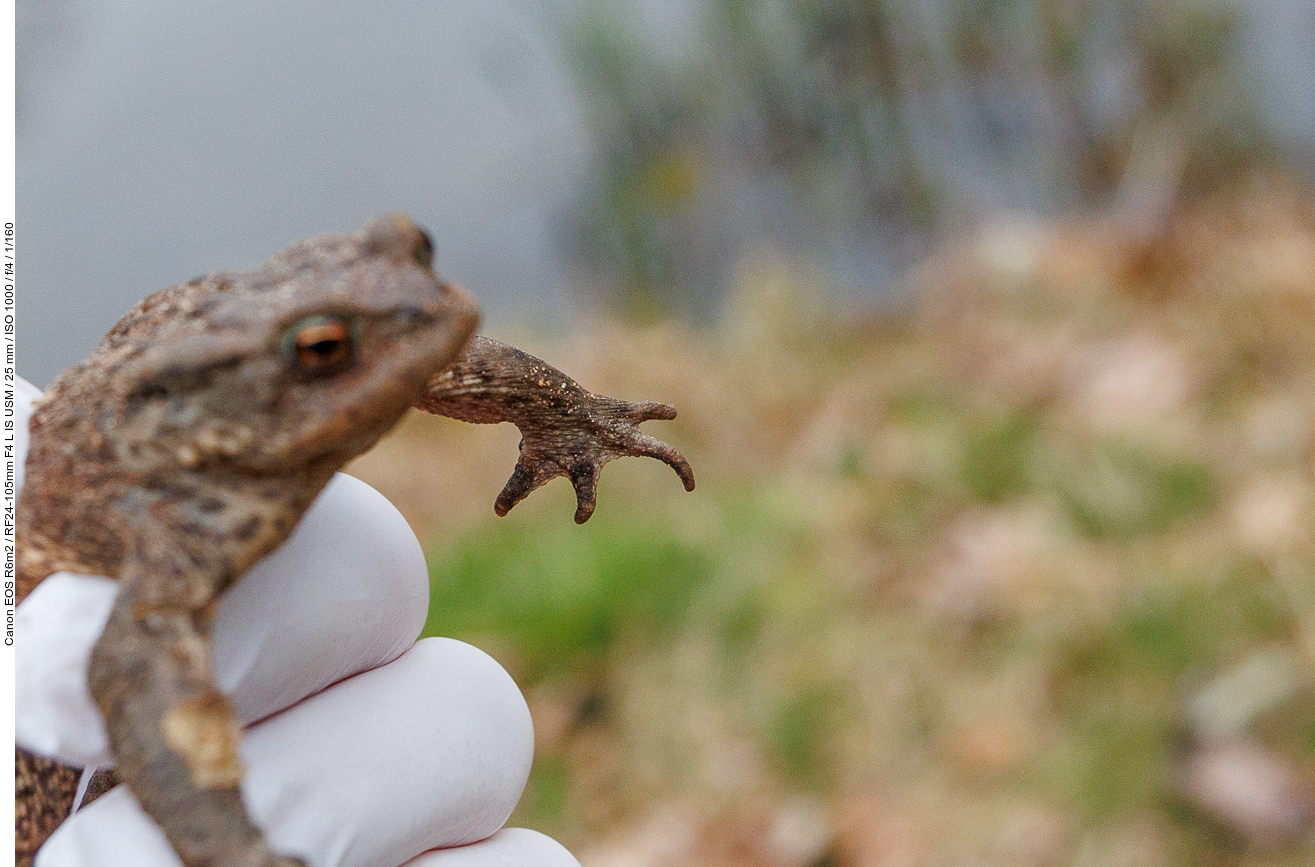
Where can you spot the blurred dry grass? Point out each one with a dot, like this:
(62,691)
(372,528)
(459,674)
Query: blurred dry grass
(1024,578)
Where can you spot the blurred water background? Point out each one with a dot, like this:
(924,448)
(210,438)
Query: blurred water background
(992,328)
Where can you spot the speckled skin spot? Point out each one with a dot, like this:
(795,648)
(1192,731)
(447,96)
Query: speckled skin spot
(192,440)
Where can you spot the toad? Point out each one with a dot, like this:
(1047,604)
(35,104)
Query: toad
(191,441)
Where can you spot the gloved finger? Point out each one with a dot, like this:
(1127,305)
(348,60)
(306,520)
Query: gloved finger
(54,630)
(510,847)
(25,394)
(429,751)
(349,591)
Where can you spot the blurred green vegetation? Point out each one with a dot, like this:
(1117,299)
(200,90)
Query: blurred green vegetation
(566,599)
(849,129)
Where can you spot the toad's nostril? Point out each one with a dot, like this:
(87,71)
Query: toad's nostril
(396,236)
(424,248)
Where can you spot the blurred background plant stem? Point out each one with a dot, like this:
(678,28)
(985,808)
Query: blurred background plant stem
(867,129)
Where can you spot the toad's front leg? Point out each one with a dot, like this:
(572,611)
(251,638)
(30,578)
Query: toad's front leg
(565,430)
(174,737)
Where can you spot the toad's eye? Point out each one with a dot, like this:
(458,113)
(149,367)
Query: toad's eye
(319,344)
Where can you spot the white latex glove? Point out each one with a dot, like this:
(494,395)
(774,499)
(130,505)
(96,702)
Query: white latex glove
(367,748)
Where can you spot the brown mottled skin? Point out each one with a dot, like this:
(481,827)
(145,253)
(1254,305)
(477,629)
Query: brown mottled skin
(192,440)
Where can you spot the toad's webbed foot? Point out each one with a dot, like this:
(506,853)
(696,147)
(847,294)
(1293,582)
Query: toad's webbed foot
(565,430)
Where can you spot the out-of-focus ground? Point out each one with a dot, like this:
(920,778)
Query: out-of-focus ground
(1024,577)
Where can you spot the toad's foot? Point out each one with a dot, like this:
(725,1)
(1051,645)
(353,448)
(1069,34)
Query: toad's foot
(578,443)
(565,430)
